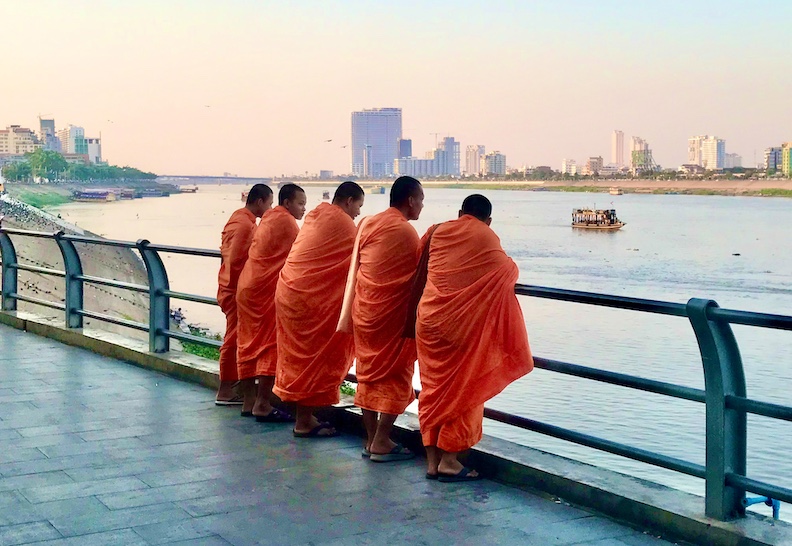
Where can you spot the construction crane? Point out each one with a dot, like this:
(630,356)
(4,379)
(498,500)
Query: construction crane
(435,135)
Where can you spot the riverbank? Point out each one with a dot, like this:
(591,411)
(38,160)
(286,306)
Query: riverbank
(99,261)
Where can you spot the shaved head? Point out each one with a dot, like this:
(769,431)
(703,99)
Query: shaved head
(477,206)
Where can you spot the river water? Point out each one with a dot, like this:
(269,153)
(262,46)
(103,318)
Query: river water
(734,250)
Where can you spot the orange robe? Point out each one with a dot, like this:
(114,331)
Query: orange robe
(389,252)
(257,353)
(470,332)
(313,358)
(236,239)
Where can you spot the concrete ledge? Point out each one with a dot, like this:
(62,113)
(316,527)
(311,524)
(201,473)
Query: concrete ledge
(640,503)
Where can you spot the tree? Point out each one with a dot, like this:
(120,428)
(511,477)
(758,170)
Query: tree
(17,171)
(46,164)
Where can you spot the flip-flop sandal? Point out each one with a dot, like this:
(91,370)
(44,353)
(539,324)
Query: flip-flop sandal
(431,476)
(246,413)
(365,453)
(461,476)
(315,432)
(398,453)
(275,416)
(235,401)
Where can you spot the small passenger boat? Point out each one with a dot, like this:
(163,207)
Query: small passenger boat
(377,190)
(244,195)
(604,219)
(615,191)
(325,195)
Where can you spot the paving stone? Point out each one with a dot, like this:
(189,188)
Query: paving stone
(118,519)
(96,455)
(27,532)
(81,489)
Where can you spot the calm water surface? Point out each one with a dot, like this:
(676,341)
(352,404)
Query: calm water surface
(733,250)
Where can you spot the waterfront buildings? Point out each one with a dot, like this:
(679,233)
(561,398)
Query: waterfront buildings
(73,141)
(94,149)
(493,163)
(593,165)
(18,140)
(772,158)
(641,159)
(375,141)
(473,155)
(617,148)
(325,175)
(786,159)
(569,166)
(450,146)
(713,153)
(405,147)
(48,136)
(707,151)
(731,161)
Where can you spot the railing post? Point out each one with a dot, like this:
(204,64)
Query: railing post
(10,273)
(72,265)
(726,429)
(159,303)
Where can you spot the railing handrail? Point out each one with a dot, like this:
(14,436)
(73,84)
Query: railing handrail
(724,395)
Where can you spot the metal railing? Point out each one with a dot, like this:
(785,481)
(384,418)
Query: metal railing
(724,395)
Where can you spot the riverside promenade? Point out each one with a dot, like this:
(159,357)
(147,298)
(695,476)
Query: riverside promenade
(99,452)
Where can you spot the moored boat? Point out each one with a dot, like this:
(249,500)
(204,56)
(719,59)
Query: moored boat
(616,191)
(377,189)
(93,196)
(603,219)
(325,195)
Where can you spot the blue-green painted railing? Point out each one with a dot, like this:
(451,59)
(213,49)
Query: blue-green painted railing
(724,395)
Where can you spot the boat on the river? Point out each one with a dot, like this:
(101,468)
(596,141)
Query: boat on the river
(244,195)
(377,189)
(325,195)
(616,191)
(603,219)
(93,196)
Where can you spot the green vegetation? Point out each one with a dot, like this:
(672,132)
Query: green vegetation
(347,388)
(52,167)
(41,200)
(775,192)
(204,351)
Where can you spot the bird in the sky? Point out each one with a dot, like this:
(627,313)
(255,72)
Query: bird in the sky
(329,140)
(344,146)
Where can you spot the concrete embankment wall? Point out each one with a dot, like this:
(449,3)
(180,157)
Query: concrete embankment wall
(100,261)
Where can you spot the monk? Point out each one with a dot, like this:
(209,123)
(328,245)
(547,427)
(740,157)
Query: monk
(236,239)
(470,336)
(257,353)
(388,251)
(313,358)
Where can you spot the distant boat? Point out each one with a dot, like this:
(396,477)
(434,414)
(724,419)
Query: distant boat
(377,189)
(325,195)
(188,190)
(604,219)
(93,196)
(244,195)
(615,191)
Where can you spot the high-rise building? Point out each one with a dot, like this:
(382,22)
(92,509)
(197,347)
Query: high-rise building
(18,140)
(47,135)
(72,140)
(707,151)
(713,153)
(375,141)
(617,148)
(493,163)
(731,161)
(473,156)
(405,147)
(94,149)
(786,159)
(569,166)
(593,165)
(641,159)
(772,159)
(451,148)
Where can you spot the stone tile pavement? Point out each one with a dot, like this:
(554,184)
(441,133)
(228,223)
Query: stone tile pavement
(98,452)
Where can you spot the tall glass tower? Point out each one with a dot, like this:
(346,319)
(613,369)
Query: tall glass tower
(375,141)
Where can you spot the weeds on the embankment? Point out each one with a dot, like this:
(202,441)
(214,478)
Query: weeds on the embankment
(204,351)
(41,199)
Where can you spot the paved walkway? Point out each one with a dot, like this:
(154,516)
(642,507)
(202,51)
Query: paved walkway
(96,451)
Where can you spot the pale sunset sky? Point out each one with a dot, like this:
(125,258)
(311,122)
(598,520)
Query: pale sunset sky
(256,87)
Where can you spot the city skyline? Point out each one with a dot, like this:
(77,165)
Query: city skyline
(267,90)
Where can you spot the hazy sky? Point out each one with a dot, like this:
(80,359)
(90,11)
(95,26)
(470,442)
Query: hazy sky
(255,87)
